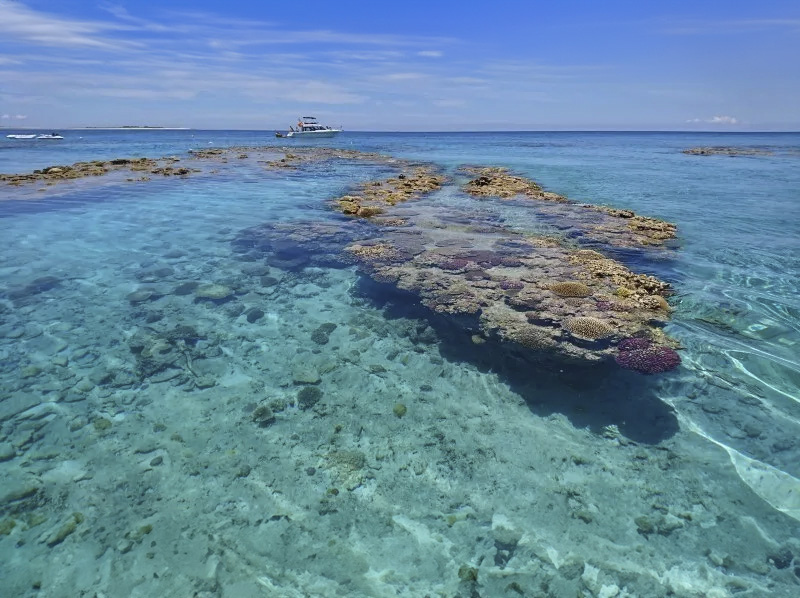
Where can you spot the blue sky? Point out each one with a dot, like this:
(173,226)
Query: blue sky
(414,65)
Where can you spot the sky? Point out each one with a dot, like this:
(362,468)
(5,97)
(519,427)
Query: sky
(402,66)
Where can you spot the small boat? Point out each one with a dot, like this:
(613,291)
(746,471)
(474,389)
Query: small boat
(279,134)
(307,126)
(50,136)
(21,136)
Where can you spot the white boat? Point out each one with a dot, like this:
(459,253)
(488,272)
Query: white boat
(307,126)
(50,136)
(21,136)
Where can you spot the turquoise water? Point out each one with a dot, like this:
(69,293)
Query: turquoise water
(503,477)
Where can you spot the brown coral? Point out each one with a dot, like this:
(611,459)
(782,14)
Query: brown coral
(588,327)
(570,288)
(378,252)
(655,302)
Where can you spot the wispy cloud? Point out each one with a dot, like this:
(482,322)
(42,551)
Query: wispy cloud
(15,117)
(716,120)
(18,21)
(430,53)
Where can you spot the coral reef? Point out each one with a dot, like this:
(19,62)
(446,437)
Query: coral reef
(534,291)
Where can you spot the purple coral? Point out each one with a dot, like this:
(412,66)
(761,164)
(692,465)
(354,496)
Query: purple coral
(611,306)
(512,285)
(633,343)
(511,262)
(649,360)
(454,264)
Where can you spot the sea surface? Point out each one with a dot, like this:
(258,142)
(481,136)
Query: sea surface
(319,434)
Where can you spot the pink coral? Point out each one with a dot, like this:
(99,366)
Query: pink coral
(649,360)
(633,344)
(454,264)
(512,285)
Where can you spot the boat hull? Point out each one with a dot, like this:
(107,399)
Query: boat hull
(313,134)
(21,136)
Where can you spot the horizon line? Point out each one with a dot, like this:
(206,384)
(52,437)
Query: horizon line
(272,129)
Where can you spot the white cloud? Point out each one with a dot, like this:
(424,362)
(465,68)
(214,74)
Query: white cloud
(430,53)
(5,116)
(402,76)
(449,103)
(20,116)
(18,21)
(716,120)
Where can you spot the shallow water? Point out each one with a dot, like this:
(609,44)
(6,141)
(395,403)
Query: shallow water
(501,475)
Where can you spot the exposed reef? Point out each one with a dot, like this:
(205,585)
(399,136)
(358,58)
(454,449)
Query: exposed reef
(727,151)
(532,291)
(497,182)
(269,157)
(53,174)
(373,197)
(620,228)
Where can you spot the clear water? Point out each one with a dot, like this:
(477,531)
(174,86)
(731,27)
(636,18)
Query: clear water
(502,478)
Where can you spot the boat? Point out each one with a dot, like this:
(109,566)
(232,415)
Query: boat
(21,136)
(50,136)
(307,126)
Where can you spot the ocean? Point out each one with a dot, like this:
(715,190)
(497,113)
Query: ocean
(301,429)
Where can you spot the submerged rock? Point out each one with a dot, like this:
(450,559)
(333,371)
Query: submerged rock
(213,292)
(727,151)
(308,396)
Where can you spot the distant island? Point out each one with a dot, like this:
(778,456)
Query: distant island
(136,127)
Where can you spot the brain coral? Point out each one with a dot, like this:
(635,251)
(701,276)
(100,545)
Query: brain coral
(570,289)
(587,327)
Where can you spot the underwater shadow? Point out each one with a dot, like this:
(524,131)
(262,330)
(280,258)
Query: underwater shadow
(603,398)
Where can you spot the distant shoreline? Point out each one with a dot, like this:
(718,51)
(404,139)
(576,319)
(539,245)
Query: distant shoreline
(124,128)
(535,131)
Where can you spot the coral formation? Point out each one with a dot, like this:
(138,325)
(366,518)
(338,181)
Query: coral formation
(650,360)
(53,174)
(633,343)
(322,333)
(308,396)
(588,327)
(535,291)
(372,197)
(570,289)
(512,285)
(497,182)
